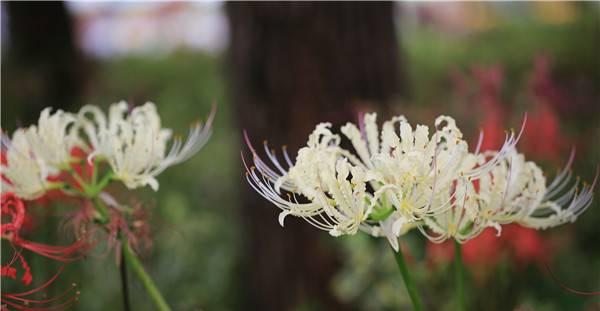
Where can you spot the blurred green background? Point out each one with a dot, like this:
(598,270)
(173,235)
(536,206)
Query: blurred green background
(197,255)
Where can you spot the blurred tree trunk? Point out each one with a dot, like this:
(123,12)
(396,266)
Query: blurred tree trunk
(293,65)
(40,65)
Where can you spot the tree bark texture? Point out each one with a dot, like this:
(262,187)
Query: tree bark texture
(41,61)
(293,65)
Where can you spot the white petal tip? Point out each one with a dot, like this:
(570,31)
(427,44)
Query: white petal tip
(282,216)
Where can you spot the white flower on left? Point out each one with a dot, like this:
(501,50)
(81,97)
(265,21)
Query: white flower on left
(36,153)
(135,143)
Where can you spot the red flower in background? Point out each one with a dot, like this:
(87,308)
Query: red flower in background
(490,82)
(484,249)
(542,86)
(439,253)
(26,301)
(521,245)
(14,212)
(14,208)
(13,217)
(542,140)
(10,271)
(526,245)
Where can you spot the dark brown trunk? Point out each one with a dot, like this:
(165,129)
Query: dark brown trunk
(293,65)
(40,66)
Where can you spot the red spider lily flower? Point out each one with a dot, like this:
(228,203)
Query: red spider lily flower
(543,88)
(81,221)
(136,229)
(519,244)
(483,250)
(10,271)
(543,138)
(14,212)
(14,208)
(140,228)
(439,253)
(526,244)
(26,300)
(4,162)
(130,222)
(490,82)
(82,168)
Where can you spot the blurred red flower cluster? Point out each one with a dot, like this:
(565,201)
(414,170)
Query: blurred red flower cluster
(542,140)
(516,243)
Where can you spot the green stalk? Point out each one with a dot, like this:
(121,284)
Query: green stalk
(128,257)
(103,183)
(124,281)
(138,270)
(104,214)
(459,276)
(410,286)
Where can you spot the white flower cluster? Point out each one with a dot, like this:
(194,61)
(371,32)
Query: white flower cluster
(399,178)
(35,153)
(133,143)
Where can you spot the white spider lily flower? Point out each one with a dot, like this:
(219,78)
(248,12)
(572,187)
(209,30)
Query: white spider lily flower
(455,222)
(53,137)
(390,183)
(411,166)
(25,174)
(135,144)
(323,188)
(516,191)
(36,153)
(391,228)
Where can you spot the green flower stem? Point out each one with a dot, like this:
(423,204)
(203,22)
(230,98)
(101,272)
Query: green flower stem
(94,172)
(103,213)
(92,192)
(410,286)
(459,275)
(124,282)
(138,270)
(81,182)
(128,257)
(102,183)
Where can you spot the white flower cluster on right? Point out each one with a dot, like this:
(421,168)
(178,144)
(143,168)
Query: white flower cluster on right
(401,177)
